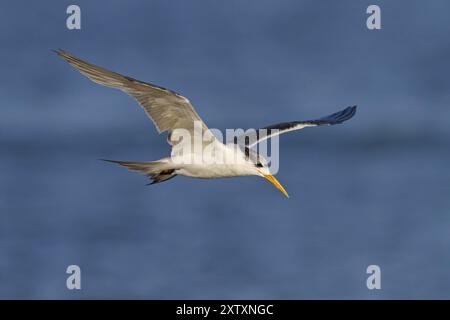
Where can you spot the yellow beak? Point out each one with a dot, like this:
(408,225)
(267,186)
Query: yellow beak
(275,182)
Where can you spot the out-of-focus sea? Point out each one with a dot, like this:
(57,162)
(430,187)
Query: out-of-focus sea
(375,190)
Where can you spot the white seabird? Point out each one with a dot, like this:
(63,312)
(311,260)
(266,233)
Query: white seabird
(170,111)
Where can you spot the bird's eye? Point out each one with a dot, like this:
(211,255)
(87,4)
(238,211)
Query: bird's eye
(259,165)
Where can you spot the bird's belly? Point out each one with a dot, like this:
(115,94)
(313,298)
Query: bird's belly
(211,171)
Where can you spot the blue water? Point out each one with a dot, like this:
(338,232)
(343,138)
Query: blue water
(372,191)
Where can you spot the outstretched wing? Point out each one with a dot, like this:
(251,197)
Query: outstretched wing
(167,109)
(280,128)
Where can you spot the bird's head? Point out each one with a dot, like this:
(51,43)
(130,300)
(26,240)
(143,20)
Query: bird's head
(260,167)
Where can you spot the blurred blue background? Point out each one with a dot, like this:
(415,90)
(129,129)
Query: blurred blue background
(372,191)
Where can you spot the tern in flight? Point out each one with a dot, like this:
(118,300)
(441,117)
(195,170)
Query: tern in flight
(170,111)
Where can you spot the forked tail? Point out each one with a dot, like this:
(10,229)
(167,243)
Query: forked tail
(158,171)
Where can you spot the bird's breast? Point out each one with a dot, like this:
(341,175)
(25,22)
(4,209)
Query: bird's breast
(211,171)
